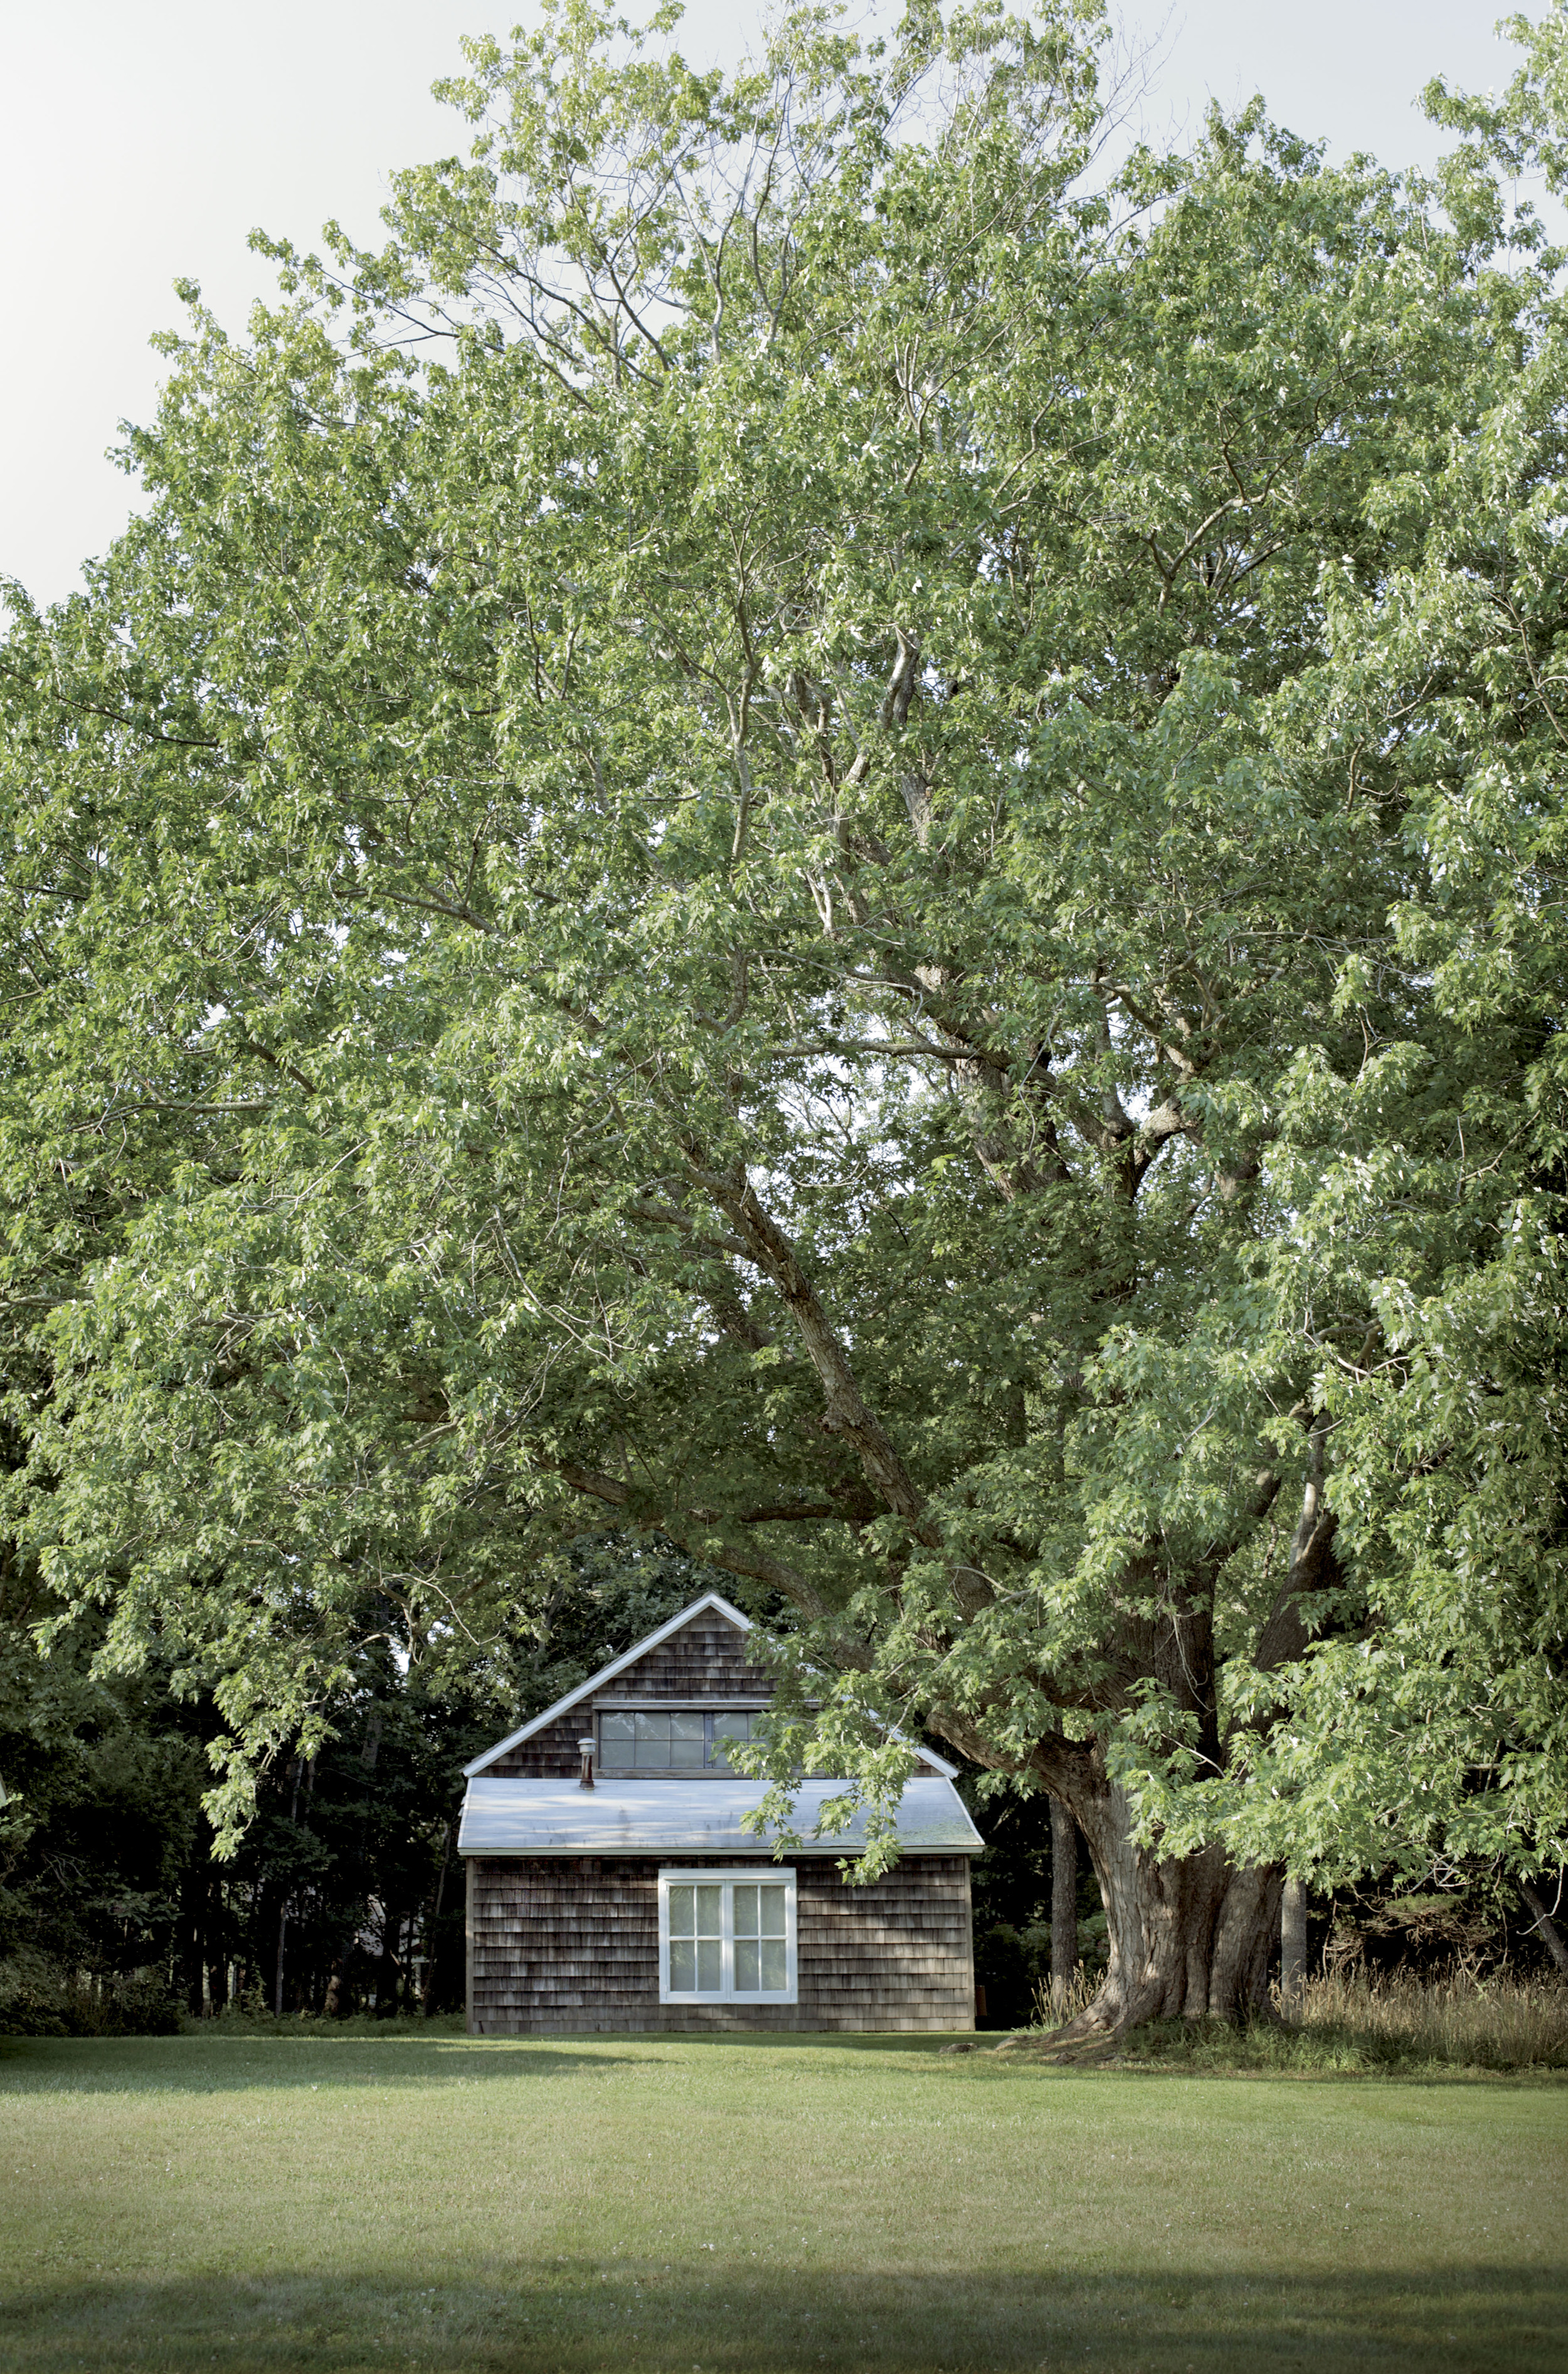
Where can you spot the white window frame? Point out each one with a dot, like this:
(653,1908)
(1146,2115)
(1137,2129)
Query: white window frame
(764,1875)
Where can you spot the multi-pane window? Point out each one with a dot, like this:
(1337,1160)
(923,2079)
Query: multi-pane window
(664,1740)
(726,1937)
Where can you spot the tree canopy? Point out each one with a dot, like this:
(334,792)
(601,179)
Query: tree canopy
(828,827)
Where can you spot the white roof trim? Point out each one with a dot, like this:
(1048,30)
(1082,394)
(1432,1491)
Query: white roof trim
(618,1665)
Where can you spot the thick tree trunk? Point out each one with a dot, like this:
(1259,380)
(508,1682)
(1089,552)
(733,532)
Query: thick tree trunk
(1191,1938)
(1064,1904)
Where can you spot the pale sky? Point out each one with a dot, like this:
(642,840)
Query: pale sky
(141,142)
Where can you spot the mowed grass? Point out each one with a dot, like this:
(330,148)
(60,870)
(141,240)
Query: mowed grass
(703,2206)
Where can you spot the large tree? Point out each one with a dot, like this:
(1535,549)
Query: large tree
(816,827)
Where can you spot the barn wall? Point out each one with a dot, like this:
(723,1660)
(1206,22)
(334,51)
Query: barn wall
(570,1946)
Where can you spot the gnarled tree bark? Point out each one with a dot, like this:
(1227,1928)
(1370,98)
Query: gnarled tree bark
(1191,1937)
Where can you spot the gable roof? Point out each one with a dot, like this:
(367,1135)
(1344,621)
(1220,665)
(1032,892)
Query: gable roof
(607,1673)
(710,1599)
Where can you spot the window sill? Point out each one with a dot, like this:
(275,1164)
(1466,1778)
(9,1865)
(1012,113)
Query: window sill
(741,2002)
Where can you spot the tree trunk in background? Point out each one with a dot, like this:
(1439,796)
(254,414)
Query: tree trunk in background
(217,1941)
(1064,1904)
(1191,1937)
(389,1969)
(427,1991)
(1293,1945)
(337,2003)
(194,1932)
(283,1908)
(1546,1927)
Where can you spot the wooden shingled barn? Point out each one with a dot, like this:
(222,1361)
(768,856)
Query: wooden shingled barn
(612,1887)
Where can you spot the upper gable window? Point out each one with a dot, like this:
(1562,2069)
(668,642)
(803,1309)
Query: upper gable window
(676,1741)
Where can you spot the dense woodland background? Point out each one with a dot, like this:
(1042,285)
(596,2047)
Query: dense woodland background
(347,1897)
(346,1894)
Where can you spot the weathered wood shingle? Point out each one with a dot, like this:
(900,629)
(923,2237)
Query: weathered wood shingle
(569,1946)
(701,1664)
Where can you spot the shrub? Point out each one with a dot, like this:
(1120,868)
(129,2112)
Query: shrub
(40,1997)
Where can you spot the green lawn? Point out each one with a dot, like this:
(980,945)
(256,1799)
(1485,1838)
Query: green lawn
(407,2201)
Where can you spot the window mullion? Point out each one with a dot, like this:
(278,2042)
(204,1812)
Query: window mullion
(726,1926)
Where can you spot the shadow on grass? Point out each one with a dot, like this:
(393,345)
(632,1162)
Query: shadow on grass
(177,2065)
(226,2054)
(575,2320)
(1027,2054)
(1513,2045)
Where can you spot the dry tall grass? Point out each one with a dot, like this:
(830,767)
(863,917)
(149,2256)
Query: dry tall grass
(1466,2021)
(1350,2020)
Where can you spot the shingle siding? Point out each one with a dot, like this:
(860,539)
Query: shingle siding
(570,1947)
(705,1660)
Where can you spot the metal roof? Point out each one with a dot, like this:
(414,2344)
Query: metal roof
(619,1665)
(688,1817)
